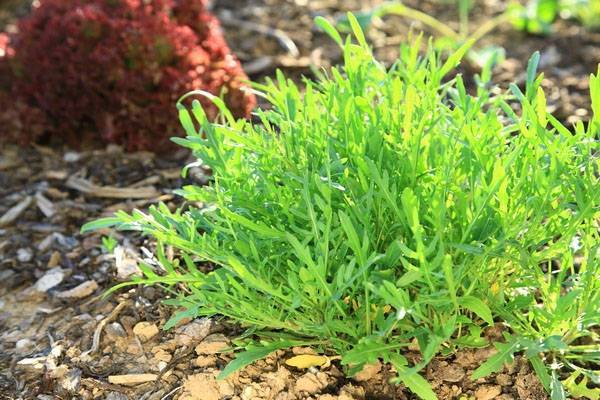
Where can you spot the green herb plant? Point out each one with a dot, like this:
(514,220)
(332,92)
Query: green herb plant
(447,38)
(586,11)
(109,243)
(366,18)
(384,208)
(538,16)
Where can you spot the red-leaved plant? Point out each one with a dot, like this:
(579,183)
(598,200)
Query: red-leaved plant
(83,70)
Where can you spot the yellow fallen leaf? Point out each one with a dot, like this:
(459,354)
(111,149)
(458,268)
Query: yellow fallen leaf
(306,361)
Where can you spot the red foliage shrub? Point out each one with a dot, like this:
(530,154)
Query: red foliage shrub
(80,70)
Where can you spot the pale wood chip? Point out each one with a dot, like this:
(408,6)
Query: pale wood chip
(54,260)
(151,180)
(45,205)
(57,175)
(13,213)
(56,194)
(131,379)
(171,173)
(87,187)
(78,292)
(130,205)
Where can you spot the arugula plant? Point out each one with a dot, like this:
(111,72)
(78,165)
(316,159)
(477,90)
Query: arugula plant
(586,11)
(109,243)
(388,208)
(447,38)
(537,16)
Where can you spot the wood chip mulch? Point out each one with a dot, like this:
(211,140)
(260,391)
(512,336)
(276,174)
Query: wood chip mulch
(60,339)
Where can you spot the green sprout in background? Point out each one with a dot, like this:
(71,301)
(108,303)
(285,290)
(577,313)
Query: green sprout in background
(109,243)
(538,16)
(446,38)
(535,17)
(386,207)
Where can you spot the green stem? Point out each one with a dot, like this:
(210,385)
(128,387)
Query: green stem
(439,26)
(463,11)
(404,11)
(489,26)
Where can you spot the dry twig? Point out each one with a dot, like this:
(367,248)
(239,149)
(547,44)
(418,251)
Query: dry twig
(87,187)
(102,324)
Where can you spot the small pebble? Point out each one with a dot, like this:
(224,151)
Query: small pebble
(193,332)
(71,157)
(145,330)
(488,392)
(116,396)
(24,255)
(115,330)
(23,345)
(212,344)
(50,279)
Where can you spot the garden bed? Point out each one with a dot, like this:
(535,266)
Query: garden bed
(47,332)
(60,339)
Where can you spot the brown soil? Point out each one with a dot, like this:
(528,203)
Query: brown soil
(59,339)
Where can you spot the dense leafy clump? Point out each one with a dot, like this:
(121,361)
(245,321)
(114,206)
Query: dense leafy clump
(537,16)
(83,70)
(384,208)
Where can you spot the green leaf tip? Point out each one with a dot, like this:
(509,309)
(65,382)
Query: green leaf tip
(328,28)
(100,224)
